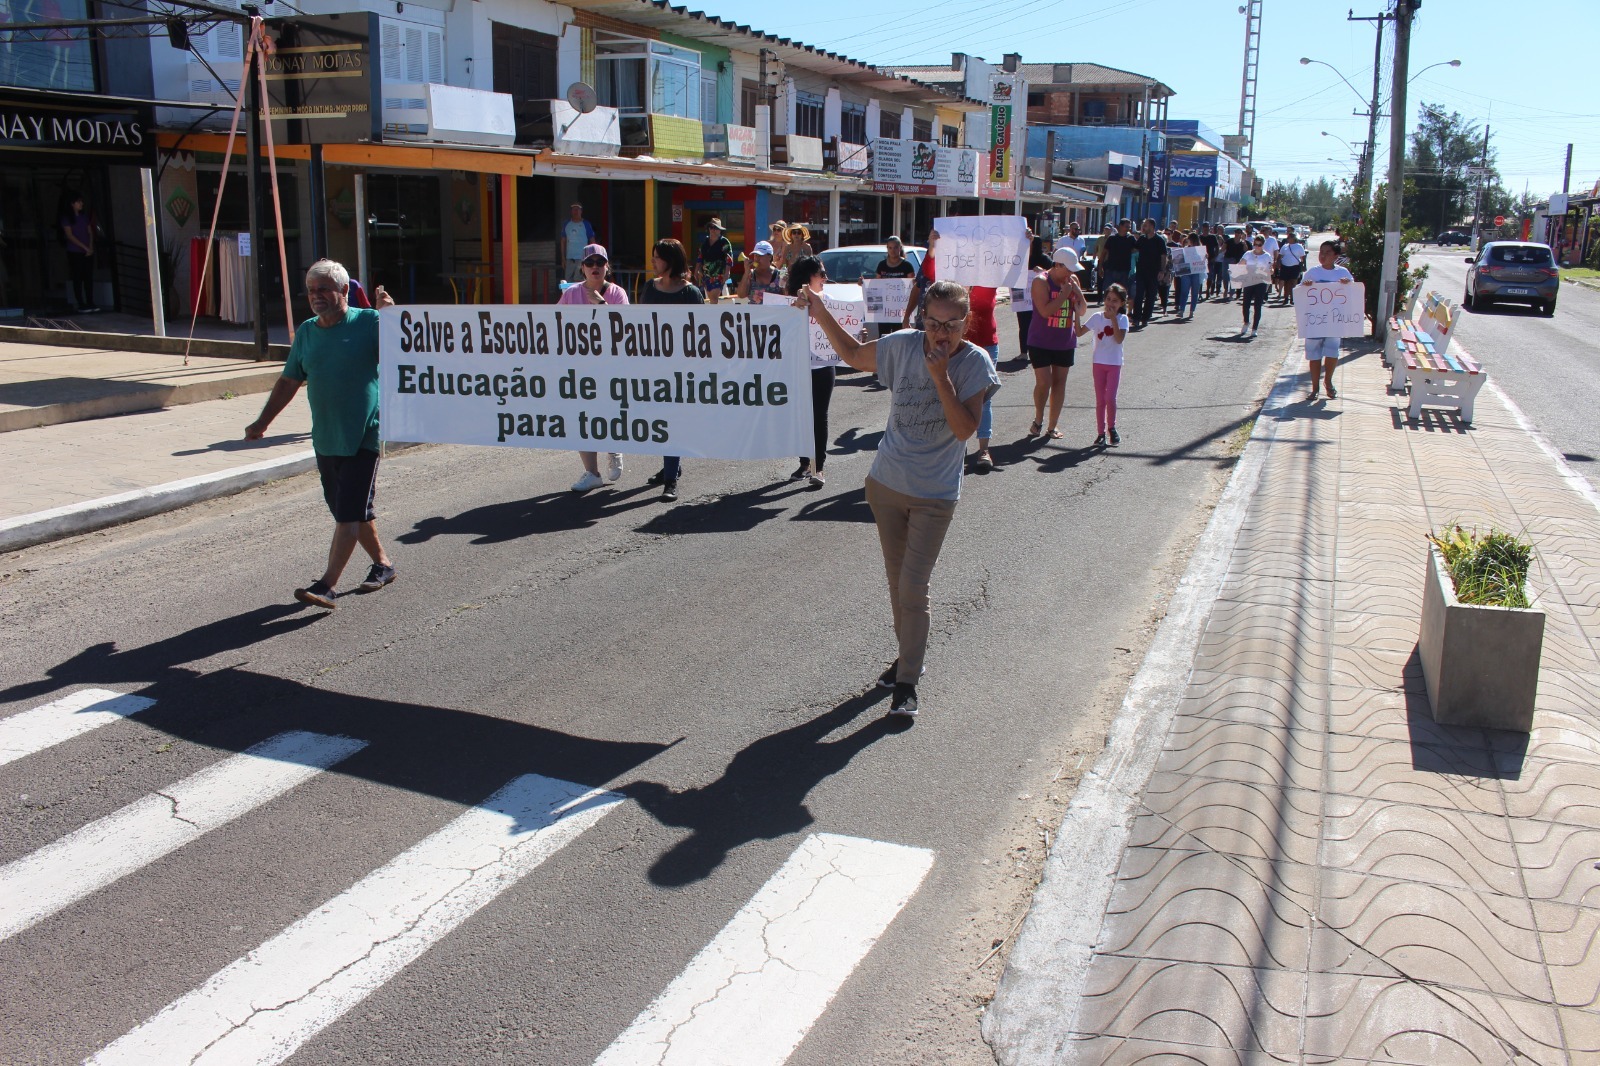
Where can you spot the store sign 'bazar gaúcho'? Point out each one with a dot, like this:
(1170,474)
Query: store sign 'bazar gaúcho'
(81,128)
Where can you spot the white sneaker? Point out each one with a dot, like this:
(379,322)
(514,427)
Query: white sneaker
(1254,332)
(587,481)
(614,471)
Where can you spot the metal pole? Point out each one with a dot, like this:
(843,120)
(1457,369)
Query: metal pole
(252,171)
(361,231)
(1049,163)
(319,200)
(1566,175)
(1371,154)
(1477,202)
(1392,235)
(152,251)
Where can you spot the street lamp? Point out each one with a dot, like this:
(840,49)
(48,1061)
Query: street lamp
(1306,62)
(1430,66)
(1353,149)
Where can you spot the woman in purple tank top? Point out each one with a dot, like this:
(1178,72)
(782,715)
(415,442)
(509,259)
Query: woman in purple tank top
(1053,337)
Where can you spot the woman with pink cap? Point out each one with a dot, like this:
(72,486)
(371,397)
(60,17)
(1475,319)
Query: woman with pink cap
(595,288)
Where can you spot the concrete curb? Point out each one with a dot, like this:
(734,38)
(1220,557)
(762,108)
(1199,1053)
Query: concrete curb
(138,342)
(56,523)
(150,398)
(1031,1019)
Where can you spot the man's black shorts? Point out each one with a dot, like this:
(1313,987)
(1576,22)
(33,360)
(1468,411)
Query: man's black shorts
(348,484)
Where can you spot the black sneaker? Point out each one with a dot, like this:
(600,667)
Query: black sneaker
(318,594)
(904,703)
(1116,438)
(669,490)
(377,577)
(801,472)
(887,678)
(1100,441)
(657,478)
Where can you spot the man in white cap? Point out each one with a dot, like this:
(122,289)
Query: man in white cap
(714,264)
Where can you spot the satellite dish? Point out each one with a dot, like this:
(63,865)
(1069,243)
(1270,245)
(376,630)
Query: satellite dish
(582,97)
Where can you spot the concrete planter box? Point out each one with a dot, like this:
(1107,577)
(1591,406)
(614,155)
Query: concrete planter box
(1481,663)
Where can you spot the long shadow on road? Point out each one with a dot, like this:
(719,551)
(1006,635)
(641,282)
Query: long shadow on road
(463,756)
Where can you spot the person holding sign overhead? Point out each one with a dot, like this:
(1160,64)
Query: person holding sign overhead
(669,286)
(937,384)
(1322,353)
(808,274)
(1053,337)
(595,288)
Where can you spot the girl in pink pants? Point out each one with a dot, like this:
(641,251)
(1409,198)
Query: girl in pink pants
(1109,326)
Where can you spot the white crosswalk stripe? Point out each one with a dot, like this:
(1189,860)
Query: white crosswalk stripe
(56,876)
(260,1008)
(70,716)
(750,996)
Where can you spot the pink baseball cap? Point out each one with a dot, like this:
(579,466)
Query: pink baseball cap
(596,249)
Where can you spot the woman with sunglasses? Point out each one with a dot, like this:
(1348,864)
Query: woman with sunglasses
(1258,264)
(937,385)
(595,287)
(809,274)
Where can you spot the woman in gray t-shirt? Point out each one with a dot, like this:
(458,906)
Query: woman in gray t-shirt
(937,383)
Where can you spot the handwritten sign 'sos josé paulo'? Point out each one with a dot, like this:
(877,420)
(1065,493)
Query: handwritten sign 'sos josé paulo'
(989,250)
(1330,309)
(715,382)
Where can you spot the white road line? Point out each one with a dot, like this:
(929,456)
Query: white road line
(749,997)
(260,1008)
(62,719)
(106,850)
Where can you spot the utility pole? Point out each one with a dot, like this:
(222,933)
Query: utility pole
(1392,235)
(1477,202)
(1369,157)
(1566,175)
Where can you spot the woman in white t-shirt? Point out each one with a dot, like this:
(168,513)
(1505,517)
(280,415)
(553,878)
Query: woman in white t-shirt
(1323,352)
(1291,262)
(1110,327)
(1257,263)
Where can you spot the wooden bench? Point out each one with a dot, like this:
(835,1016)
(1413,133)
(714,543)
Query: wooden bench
(1435,376)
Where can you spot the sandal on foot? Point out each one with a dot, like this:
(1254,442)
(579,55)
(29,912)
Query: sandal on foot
(984,464)
(1033,430)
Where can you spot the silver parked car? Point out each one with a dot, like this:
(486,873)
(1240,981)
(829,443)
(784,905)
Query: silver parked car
(850,263)
(1515,272)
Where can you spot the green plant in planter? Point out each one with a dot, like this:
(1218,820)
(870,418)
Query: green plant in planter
(1488,569)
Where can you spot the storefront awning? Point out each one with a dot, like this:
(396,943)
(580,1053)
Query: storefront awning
(475,160)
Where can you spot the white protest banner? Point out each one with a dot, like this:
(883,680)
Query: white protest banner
(713,381)
(989,250)
(845,302)
(1330,309)
(886,298)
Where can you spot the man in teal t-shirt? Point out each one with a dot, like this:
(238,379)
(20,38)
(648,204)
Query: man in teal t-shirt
(335,355)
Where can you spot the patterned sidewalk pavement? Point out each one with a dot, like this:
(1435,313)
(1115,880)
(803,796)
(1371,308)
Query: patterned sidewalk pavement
(1318,873)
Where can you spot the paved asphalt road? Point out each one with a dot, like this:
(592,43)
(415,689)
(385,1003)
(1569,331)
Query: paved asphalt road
(705,661)
(1549,366)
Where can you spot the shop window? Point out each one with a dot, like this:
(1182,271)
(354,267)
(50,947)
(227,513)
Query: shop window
(921,129)
(889,124)
(708,97)
(949,136)
(47,64)
(853,124)
(525,68)
(749,100)
(635,76)
(808,114)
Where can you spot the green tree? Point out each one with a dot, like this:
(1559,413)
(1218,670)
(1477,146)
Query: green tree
(1364,247)
(1440,185)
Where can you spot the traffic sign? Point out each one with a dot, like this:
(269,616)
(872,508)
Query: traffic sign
(1499,220)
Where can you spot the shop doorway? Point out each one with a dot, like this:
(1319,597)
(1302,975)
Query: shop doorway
(33,251)
(405,237)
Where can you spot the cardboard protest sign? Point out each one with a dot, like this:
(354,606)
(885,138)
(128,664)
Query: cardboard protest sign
(990,250)
(712,381)
(1330,309)
(1244,276)
(848,309)
(886,298)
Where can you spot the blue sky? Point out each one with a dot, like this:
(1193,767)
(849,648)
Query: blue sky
(1517,77)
